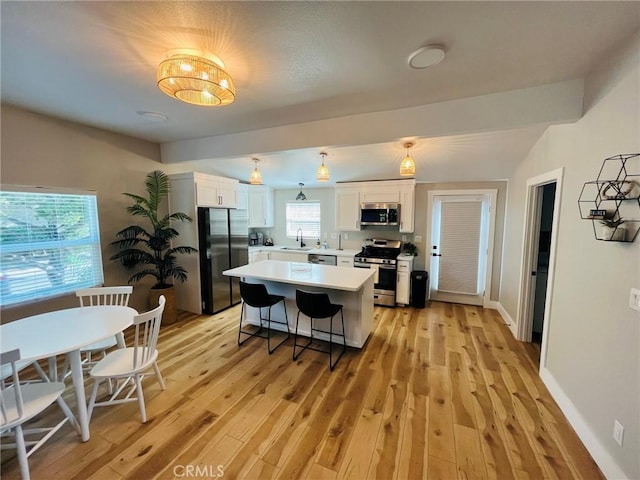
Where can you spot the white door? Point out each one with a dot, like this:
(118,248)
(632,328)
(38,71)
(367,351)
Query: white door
(461,246)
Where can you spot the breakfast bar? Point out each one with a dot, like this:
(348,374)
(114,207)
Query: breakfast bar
(351,287)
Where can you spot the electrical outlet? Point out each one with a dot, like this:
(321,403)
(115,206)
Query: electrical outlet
(618,432)
(346,236)
(417,239)
(404,238)
(634,299)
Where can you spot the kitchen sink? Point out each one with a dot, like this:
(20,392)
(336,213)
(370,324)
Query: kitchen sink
(300,249)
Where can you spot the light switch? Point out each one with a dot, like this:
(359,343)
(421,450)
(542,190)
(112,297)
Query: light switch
(634,299)
(417,238)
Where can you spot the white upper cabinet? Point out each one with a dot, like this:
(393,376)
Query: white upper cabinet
(380,194)
(216,192)
(261,206)
(407,208)
(242,196)
(347,208)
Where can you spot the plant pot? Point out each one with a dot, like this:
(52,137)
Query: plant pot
(170,314)
(612,234)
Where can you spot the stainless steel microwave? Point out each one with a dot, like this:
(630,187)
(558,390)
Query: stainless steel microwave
(379,213)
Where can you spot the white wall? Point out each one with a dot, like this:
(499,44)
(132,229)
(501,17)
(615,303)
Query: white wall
(593,360)
(43,151)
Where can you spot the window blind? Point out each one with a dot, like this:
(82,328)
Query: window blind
(49,244)
(303,215)
(459,240)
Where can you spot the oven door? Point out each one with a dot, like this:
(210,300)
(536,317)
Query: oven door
(387,276)
(384,289)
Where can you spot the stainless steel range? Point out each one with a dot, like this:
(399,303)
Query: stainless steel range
(381,255)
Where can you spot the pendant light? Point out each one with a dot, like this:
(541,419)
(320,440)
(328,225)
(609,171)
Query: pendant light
(301,196)
(408,166)
(256,177)
(322,175)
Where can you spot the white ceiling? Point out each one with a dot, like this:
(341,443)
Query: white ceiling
(297,62)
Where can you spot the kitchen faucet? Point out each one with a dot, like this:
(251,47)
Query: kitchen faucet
(301,242)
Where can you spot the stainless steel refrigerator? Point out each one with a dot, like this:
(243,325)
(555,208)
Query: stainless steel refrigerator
(223,244)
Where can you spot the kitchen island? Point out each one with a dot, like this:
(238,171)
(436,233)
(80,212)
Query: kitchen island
(350,287)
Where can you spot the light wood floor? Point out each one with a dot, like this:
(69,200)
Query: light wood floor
(440,393)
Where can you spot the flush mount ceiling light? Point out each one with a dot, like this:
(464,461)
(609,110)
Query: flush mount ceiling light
(408,166)
(427,56)
(301,196)
(322,175)
(196,79)
(256,177)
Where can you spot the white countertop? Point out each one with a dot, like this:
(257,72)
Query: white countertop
(317,251)
(297,273)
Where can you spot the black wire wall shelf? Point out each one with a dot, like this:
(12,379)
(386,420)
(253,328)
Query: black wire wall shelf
(612,201)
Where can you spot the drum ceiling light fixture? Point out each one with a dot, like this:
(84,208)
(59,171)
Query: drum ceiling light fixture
(195,78)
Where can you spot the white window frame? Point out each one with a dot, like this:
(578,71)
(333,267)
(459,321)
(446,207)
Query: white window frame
(23,276)
(306,232)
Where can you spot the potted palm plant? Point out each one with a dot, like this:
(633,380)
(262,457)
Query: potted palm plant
(150,248)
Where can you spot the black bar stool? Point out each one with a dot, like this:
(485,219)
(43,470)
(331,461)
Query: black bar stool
(256,295)
(316,305)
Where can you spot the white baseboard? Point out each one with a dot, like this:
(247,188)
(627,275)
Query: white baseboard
(600,455)
(492,304)
(507,319)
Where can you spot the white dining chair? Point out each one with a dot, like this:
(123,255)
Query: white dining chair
(128,366)
(90,297)
(21,402)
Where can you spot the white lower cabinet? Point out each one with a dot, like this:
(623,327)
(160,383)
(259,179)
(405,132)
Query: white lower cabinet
(345,261)
(403,282)
(259,256)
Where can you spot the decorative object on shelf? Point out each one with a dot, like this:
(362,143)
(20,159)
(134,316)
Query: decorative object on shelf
(617,189)
(322,175)
(196,78)
(256,177)
(301,196)
(151,249)
(408,165)
(597,214)
(613,195)
(410,248)
(612,230)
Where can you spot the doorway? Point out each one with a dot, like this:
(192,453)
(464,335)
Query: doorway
(547,194)
(542,209)
(461,234)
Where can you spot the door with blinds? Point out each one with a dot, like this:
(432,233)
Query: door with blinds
(459,247)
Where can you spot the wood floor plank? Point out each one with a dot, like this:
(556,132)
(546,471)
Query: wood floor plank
(461,398)
(412,457)
(442,392)
(469,456)
(441,442)
(438,469)
(357,458)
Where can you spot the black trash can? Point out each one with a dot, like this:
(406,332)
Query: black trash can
(419,288)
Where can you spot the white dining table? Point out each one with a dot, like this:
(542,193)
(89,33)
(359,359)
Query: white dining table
(65,332)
